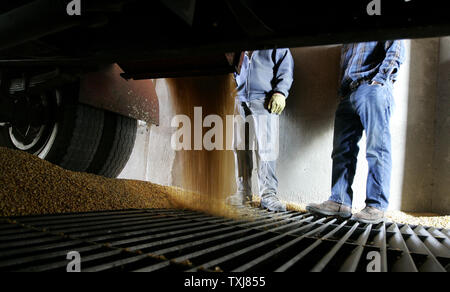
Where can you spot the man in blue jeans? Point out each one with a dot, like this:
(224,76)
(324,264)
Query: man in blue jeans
(262,88)
(369,71)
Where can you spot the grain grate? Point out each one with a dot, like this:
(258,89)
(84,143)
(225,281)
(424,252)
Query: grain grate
(179,241)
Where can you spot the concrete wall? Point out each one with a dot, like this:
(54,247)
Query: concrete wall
(441,194)
(152,158)
(420,147)
(420,135)
(307,126)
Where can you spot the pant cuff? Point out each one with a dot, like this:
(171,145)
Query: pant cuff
(340,202)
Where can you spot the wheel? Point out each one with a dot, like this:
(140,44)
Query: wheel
(74,136)
(116,145)
(67,134)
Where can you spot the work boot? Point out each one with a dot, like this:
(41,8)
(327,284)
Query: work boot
(239,199)
(370,215)
(272,203)
(330,208)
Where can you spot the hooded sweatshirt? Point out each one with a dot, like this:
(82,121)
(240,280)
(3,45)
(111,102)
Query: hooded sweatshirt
(264,73)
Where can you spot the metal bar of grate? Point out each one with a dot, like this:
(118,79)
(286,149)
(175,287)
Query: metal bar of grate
(130,237)
(40,248)
(351,263)
(177,240)
(302,254)
(50,255)
(440,236)
(62,264)
(242,252)
(406,262)
(329,256)
(274,252)
(88,222)
(431,263)
(381,241)
(241,231)
(434,245)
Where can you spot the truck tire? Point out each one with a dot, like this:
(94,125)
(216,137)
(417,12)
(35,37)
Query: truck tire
(74,136)
(80,129)
(116,145)
(68,135)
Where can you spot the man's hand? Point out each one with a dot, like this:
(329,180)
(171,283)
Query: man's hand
(277,104)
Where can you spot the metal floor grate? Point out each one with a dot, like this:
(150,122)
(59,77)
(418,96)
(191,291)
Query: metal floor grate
(173,240)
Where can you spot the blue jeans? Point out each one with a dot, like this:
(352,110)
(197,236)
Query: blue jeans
(367,108)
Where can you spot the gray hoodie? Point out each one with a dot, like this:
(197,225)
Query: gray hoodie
(265,73)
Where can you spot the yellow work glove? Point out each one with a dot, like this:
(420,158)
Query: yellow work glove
(277,104)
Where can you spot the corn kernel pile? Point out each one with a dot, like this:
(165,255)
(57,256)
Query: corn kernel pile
(31,186)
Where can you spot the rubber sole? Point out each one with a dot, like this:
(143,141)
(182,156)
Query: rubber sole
(271,210)
(328,213)
(373,222)
(274,211)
